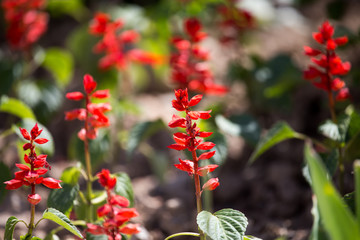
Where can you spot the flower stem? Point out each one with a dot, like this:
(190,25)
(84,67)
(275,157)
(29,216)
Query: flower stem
(197,190)
(32,213)
(89,213)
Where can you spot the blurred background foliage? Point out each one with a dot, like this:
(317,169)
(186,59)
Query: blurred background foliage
(262,68)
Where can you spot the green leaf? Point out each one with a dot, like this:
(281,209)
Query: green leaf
(357,190)
(226,224)
(240,125)
(249,237)
(9,227)
(28,124)
(336,216)
(15,107)
(278,133)
(142,131)
(60,63)
(59,218)
(74,8)
(63,198)
(124,188)
(90,236)
(71,175)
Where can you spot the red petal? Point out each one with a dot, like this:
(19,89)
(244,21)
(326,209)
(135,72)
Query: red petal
(27,146)
(311,52)
(204,134)
(119,201)
(129,36)
(192,26)
(13,184)
(205,114)
(105,179)
(206,146)
(76,96)
(177,122)
(206,155)
(195,100)
(337,84)
(343,94)
(76,114)
(341,40)
(330,45)
(125,214)
(101,94)
(95,229)
(211,184)
(311,73)
(104,210)
(130,229)
(41,171)
(35,131)
(177,147)
(207,169)
(23,167)
(89,83)
(186,166)
(25,133)
(318,37)
(41,140)
(194,115)
(51,183)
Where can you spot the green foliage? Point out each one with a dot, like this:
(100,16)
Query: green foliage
(15,107)
(90,236)
(60,63)
(59,218)
(124,188)
(337,219)
(281,131)
(140,132)
(226,224)
(240,125)
(63,198)
(71,175)
(74,8)
(9,227)
(29,237)
(357,190)
(5,175)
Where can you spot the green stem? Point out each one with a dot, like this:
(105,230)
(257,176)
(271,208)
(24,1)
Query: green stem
(183,234)
(357,190)
(89,212)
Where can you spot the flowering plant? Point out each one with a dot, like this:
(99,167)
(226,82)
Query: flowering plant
(32,176)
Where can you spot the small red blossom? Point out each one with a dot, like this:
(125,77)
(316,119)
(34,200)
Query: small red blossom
(93,114)
(328,64)
(106,180)
(211,184)
(34,199)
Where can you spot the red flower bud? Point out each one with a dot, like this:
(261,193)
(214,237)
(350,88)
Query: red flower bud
(27,146)
(34,199)
(25,134)
(101,94)
(89,83)
(76,96)
(211,184)
(41,140)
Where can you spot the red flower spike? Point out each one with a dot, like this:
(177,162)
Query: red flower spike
(25,133)
(51,183)
(41,140)
(34,199)
(76,96)
(192,26)
(89,83)
(211,184)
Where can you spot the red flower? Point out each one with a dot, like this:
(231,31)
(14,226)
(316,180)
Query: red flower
(188,69)
(116,44)
(26,22)
(328,64)
(115,213)
(106,180)
(211,184)
(31,175)
(93,114)
(192,139)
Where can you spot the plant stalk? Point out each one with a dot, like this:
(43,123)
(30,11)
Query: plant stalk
(89,213)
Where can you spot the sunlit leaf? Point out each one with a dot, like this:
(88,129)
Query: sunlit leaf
(63,198)
(124,187)
(9,227)
(15,107)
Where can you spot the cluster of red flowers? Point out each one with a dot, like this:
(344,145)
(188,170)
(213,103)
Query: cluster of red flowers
(189,69)
(115,212)
(31,175)
(116,45)
(192,140)
(328,64)
(234,21)
(26,22)
(94,113)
